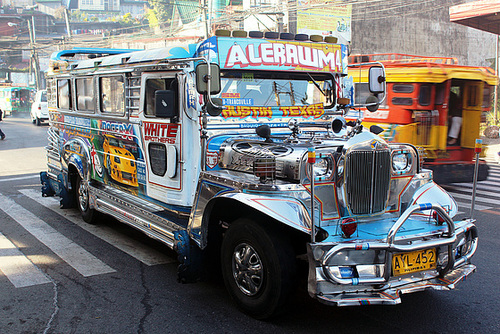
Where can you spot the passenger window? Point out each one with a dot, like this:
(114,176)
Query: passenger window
(152,85)
(361,93)
(158,155)
(400,88)
(440,94)
(486,96)
(64,94)
(424,98)
(472,100)
(85,94)
(404,101)
(112,91)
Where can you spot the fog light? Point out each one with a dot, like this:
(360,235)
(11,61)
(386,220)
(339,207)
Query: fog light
(348,227)
(346,272)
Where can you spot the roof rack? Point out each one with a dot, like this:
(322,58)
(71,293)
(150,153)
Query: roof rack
(400,58)
(90,52)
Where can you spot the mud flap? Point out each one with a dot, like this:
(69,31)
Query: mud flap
(51,187)
(189,256)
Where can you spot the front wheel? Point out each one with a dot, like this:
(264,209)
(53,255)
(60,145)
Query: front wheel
(82,198)
(258,268)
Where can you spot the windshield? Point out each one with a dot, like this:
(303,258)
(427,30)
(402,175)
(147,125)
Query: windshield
(276,89)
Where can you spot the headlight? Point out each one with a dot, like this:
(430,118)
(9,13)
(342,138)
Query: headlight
(340,167)
(322,168)
(401,162)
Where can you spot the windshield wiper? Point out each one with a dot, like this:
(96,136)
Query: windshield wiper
(316,84)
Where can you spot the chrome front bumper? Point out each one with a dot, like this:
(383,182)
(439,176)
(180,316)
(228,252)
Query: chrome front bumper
(368,264)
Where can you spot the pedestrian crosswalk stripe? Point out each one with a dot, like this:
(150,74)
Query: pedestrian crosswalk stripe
(21,178)
(478,199)
(146,255)
(73,254)
(479,192)
(20,271)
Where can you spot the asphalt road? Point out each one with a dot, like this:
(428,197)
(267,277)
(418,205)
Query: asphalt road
(59,275)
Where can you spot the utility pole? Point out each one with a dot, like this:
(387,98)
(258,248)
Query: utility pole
(205,17)
(34,55)
(66,17)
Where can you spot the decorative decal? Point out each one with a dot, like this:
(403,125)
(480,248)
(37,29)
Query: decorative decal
(212,159)
(317,57)
(161,132)
(96,162)
(312,110)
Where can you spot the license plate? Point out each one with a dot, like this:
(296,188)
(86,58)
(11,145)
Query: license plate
(406,263)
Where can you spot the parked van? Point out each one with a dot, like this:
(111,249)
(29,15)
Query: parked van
(39,108)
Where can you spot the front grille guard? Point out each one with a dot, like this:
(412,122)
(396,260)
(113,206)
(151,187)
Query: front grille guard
(390,247)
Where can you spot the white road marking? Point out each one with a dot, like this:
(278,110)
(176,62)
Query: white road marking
(146,255)
(476,206)
(36,176)
(73,254)
(20,271)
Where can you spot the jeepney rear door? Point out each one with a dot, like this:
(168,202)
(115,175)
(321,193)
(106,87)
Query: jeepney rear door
(471,112)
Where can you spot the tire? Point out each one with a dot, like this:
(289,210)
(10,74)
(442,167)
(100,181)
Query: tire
(270,259)
(38,122)
(82,200)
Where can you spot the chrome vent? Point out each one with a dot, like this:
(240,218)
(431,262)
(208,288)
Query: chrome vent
(368,175)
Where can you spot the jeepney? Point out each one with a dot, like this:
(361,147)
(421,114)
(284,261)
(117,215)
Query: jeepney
(425,97)
(238,157)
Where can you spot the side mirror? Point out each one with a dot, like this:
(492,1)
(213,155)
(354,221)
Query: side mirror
(165,104)
(216,109)
(376,79)
(372,103)
(202,78)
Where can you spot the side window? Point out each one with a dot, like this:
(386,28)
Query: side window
(403,101)
(158,155)
(64,94)
(112,90)
(473,98)
(361,93)
(403,88)
(440,93)
(85,94)
(486,96)
(152,85)
(424,97)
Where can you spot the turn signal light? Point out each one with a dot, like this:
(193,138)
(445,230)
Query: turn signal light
(348,226)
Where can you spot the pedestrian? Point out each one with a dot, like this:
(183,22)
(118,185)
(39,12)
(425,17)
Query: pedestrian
(2,135)
(455,116)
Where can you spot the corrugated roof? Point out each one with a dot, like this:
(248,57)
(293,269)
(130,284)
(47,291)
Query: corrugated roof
(483,15)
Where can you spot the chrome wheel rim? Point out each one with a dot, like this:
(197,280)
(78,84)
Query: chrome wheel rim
(247,269)
(83,196)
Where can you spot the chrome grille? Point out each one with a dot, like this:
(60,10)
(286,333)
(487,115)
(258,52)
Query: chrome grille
(368,175)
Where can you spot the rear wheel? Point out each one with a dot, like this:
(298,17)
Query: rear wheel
(258,268)
(38,122)
(82,198)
